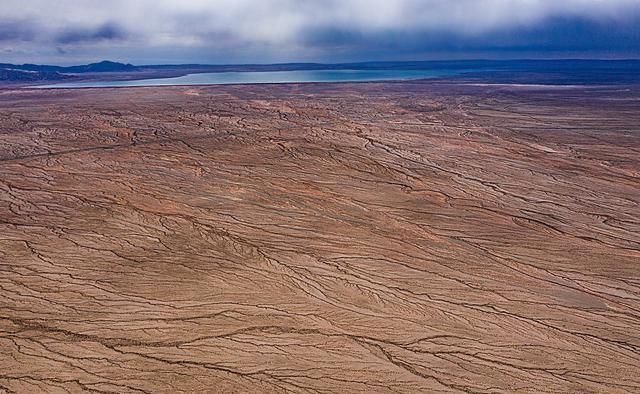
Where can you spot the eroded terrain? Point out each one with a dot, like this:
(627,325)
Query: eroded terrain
(320,238)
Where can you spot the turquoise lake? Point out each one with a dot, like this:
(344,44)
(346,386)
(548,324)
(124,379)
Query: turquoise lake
(228,78)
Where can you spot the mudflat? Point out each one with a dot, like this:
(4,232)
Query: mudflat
(377,237)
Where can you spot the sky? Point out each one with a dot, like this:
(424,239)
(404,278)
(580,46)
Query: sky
(273,31)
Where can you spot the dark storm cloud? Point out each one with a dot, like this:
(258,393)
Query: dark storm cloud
(106,32)
(15,30)
(554,34)
(145,31)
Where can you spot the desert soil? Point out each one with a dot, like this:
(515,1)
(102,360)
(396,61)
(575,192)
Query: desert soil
(377,237)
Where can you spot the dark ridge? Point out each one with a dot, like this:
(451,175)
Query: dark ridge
(35,72)
(7,74)
(103,66)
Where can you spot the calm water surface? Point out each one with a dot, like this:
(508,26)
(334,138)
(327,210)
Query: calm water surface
(226,78)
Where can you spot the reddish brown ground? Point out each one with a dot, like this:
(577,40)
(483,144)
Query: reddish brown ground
(324,238)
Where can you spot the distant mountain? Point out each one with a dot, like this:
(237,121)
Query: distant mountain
(35,72)
(8,74)
(102,67)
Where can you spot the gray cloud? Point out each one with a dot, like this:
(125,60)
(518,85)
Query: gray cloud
(106,32)
(15,30)
(283,30)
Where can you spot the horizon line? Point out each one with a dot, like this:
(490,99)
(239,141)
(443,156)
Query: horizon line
(336,63)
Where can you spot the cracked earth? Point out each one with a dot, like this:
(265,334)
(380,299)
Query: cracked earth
(400,237)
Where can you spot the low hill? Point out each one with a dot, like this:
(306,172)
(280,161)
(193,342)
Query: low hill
(8,74)
(35,72)
(104,66)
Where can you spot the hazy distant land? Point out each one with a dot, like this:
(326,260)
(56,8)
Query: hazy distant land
(511,71)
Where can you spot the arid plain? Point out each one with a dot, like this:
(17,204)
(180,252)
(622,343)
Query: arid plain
(375,237)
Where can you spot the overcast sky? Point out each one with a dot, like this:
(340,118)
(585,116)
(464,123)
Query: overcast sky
(267,31)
